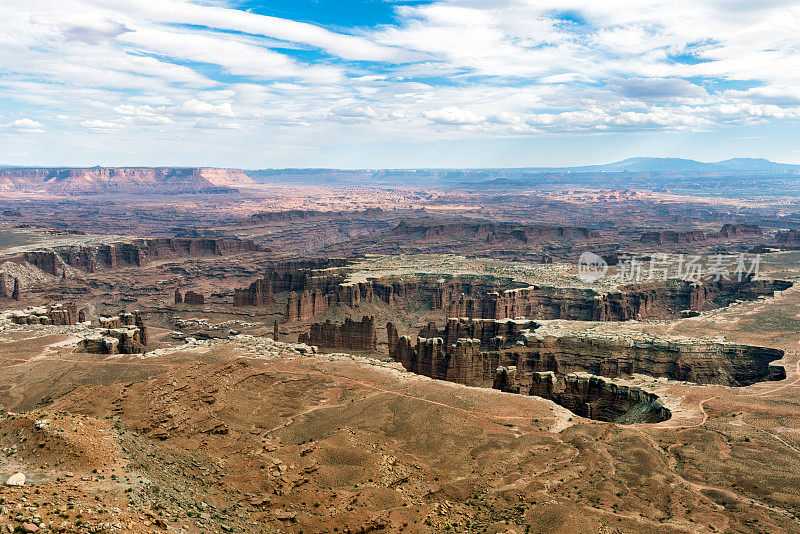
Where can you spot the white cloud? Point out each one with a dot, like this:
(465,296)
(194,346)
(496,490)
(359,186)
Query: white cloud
(453,115)
(184,12)
(449,68)
(99,125)
(24,125)
(198,108)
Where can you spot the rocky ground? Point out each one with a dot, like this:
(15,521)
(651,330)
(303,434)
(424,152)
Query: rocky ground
(239,433)
(249,435)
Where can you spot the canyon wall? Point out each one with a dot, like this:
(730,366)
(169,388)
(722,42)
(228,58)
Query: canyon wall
(324,275)
(672,237)
(353,335)
(9,286)
(315,286)
(490,232)
(575,370)
(197,299)
(658,300)
(523,345)
(599,398)
(137,252)
(308,304)
(695,361)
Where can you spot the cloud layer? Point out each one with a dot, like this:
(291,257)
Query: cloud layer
(189,74)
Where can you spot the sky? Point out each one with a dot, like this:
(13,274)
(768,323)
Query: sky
(395,83)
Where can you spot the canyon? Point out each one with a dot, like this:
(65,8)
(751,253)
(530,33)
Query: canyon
(408,359)
(534,358)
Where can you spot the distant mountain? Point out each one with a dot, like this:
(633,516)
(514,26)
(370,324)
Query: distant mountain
(121,180)
(756,164)
(659,165)
(643,164)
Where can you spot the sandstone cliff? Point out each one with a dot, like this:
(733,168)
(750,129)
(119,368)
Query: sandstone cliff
(432,229)
(104,180)
(599,398)
(658,300)
(137,252)
(672,237)
(56,314)
(353,335)
(323,275)
(529,348)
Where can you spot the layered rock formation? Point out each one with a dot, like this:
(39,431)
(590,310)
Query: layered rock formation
(702,362)
(353,335)
(122,340)
(322,275)
(515,354)
(316,286)
(103,180)
(308,304)
(9,286)
(125,333)
(294,215)
(137,252)
(197,299)
(599,398)
(658,300)
(672,237)
(789,237)
(733,230)
(56,314)
(490,232)
(460,362)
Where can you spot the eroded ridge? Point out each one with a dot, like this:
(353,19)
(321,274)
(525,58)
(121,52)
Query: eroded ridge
(542,358)
(314,286)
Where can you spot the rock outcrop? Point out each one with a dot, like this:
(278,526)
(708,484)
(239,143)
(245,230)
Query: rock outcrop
(353,335)
(701,362)
(789,237)
(657,300)
(191,297)
(9,286)
(600,398)
(56,314)
(309,303)
(672,237)
(316,286)
(733,230)
(299,276)
(294,215)
(125,333)
(432,229)
(529,348)
(137,252)
(460,362)
(663,237)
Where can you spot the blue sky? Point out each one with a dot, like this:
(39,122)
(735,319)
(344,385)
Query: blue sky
(382,83)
